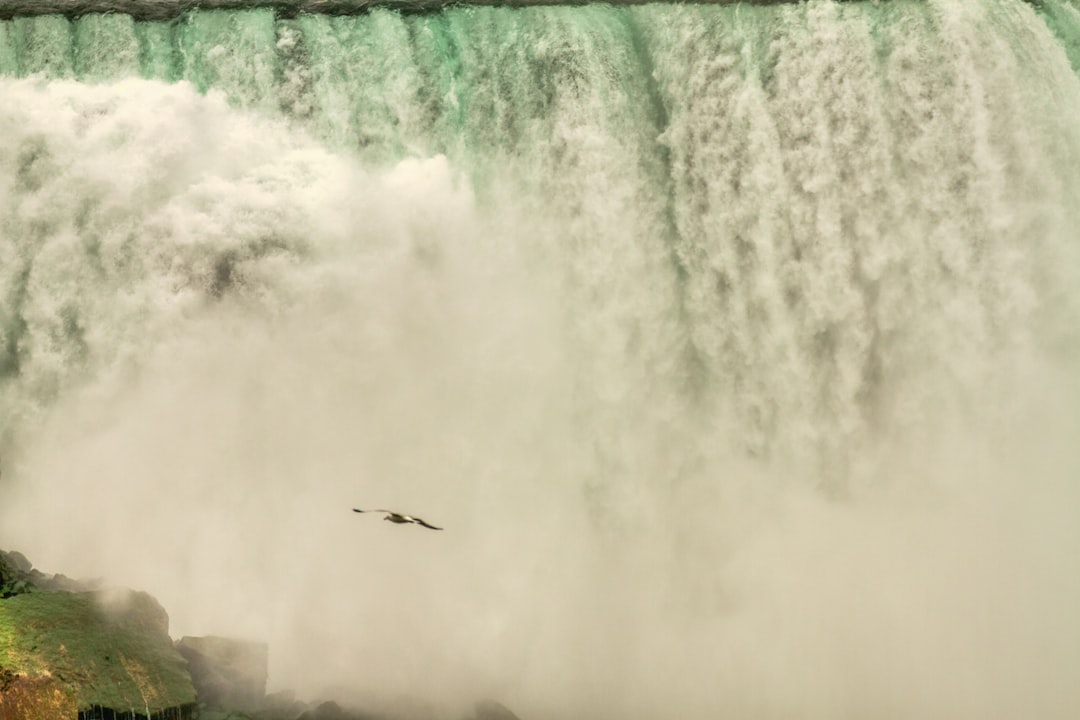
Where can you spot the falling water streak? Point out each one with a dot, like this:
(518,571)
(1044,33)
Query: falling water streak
(781,256)
(781,139)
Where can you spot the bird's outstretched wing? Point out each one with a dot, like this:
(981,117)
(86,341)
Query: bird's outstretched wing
(372,510)
(418,521)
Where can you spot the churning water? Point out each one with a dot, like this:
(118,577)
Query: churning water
(736,348)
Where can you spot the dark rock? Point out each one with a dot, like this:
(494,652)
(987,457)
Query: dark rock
(63,583)
(15,574)
(492,710)
(17,560)
(332,711)
(18,575)
(281,705)
(223,715)
(227,674)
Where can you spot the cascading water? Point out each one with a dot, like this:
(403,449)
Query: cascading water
(737,348)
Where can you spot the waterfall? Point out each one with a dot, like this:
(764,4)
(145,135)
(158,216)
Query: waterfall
(735,346)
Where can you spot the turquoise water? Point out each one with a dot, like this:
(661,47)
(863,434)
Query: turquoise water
(761,320)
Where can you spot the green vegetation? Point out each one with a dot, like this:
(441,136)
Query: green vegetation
(99,651)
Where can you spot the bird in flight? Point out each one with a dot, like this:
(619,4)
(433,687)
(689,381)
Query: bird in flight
(399,518)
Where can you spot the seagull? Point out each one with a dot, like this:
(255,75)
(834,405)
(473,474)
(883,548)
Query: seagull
(399,518)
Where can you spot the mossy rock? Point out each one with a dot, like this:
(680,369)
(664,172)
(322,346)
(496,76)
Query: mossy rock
(102,653)
(14,574)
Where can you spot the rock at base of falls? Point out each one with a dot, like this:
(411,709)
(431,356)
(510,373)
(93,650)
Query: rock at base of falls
(73,649)
(104,653)
(227,673)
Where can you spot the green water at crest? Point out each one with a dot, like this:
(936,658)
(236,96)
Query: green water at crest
(392,85)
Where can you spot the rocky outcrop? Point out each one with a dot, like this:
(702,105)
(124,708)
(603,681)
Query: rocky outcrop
(99,654)
(493,710)
(67,652)
(227,673)
(14,574)
(482,710)
(18,576)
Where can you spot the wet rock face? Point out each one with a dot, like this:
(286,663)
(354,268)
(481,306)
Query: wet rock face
(227,674)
